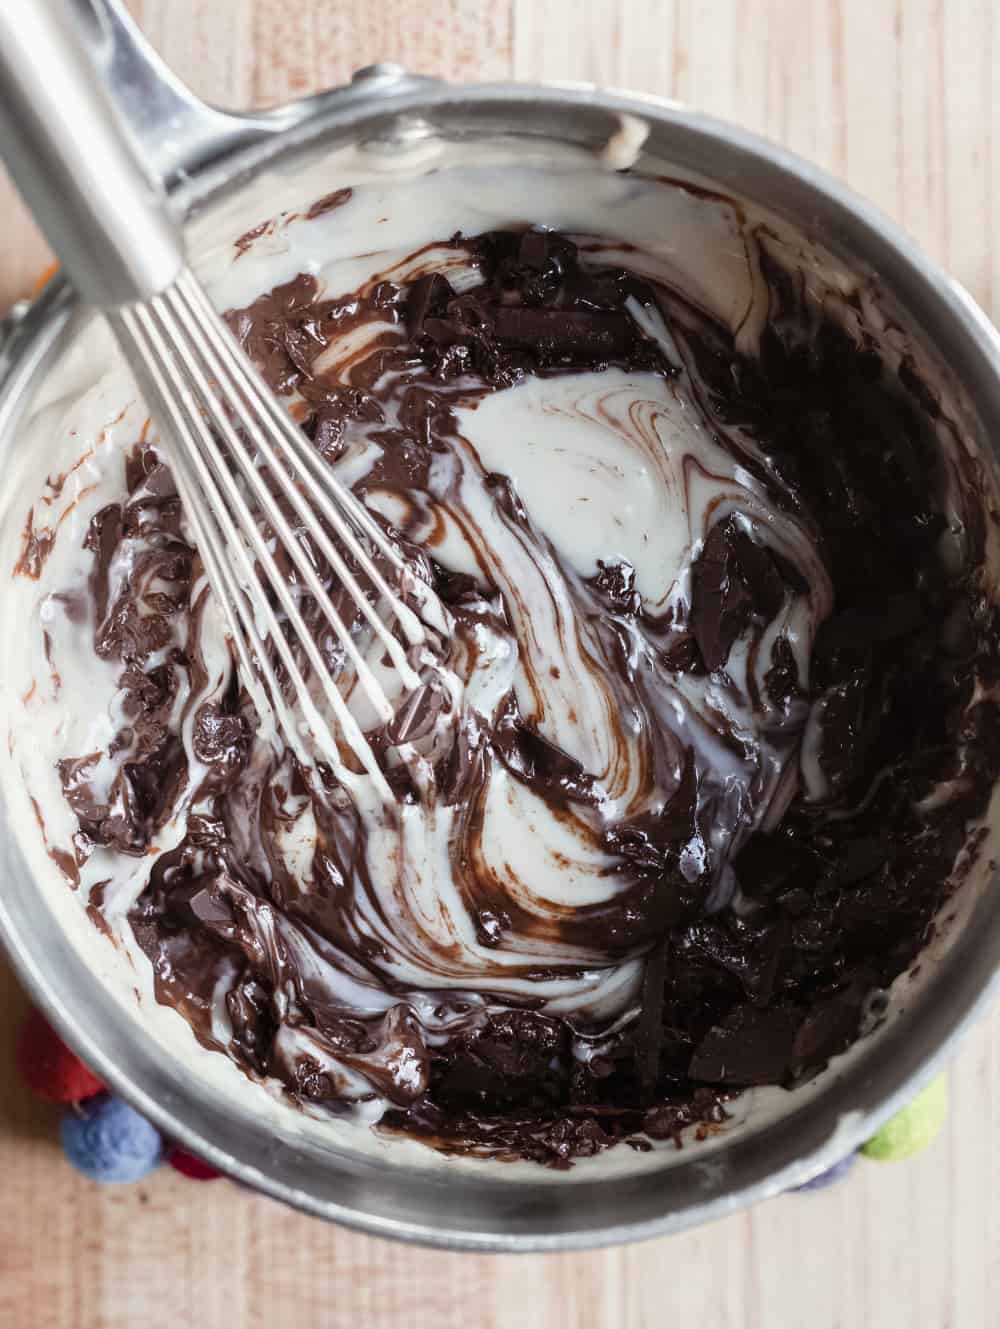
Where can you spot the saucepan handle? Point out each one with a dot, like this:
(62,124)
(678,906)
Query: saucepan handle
(179,133)
(81,172)
(97,132)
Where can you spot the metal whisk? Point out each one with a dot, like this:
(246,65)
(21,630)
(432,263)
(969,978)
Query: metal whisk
(221,426)
(205,390)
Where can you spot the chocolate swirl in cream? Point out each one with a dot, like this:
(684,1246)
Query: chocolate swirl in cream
(681,819)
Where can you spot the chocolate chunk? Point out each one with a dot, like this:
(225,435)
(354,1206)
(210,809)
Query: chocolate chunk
(683,657)
(427,295)
(491,926)
(328,202)
(416,717)
(222,742)
(155,779)
(75,774)
(453,587)
(251,1012)
(137,801)
(846,725)
(616,582)
(160,482)
(751,1046)
(103,537)
(721,601)
(282,333)
(749,949)
(210,909)
(140,461)
(732,579)
(201,900)
(529,755)
(781,682)
(327,432)
(826,1030)
(551,334)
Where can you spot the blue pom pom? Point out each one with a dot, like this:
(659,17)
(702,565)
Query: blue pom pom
(830,1177)
(108,1141)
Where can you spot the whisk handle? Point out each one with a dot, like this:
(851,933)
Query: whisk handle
(75,162)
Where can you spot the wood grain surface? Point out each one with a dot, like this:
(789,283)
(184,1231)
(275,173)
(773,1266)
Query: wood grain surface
(901,101)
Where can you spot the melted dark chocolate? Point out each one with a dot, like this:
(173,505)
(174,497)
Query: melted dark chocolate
(836,901)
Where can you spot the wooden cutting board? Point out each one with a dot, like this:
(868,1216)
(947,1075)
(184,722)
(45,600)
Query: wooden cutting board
(902,101)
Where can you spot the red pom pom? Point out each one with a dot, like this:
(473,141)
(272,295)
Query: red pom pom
(191,1166)
(49,1068)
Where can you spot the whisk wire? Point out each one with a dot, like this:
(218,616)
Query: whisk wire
(283,533)
(228,591)
(337,505)
(227,531)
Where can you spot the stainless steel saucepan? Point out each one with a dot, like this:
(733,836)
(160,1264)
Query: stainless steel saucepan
(206,154)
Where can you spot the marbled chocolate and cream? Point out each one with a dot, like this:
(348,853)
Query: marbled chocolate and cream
(709,727)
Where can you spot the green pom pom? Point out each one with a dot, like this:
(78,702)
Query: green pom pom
(912,1129)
